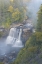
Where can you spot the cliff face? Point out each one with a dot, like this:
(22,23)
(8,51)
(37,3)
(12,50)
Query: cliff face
(25,36)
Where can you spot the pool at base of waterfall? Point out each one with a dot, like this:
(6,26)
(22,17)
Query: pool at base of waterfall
(8,53)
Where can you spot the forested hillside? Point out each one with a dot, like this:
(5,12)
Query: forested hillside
(12,11)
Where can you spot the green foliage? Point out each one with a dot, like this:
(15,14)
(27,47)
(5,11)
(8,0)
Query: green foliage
(35,40)
(16,14)
(7,23)
(39,24)
(40,56)
(10,9)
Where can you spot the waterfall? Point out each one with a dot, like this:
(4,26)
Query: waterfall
(14,37)
(18,42)
(10,39)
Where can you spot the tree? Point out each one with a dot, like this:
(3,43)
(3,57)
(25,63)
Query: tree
(16,14)
(39,24)
(11,0)
(10,9)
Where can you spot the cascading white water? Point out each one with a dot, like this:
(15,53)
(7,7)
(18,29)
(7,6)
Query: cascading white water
(18,42)
(14,37)
(20,33)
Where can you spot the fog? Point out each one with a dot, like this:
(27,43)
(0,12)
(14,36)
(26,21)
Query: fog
(34,6)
